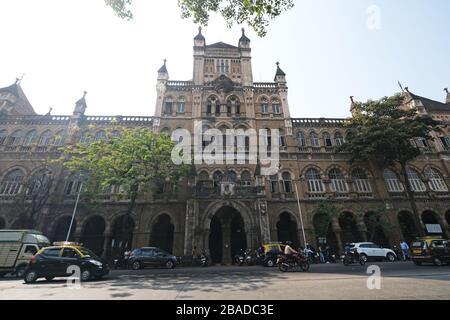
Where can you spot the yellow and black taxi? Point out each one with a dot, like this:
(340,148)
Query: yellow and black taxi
(434,250)
(271,252)
(65,259)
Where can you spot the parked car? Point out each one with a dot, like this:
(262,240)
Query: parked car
(271,252)
(370,251)
(430,249)
(54,261)
(16,249)
(151,257)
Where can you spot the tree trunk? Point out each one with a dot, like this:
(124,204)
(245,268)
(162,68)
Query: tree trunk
(126,218)
(412,201)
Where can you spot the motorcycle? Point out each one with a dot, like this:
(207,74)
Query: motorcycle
(298,260)
(250,258)
(239,258)
(351,257)
(203,260)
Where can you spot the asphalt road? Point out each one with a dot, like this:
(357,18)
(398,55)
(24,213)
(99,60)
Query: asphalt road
(399,280)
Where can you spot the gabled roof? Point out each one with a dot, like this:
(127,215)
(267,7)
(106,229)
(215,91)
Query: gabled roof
(22,106)
(430,105)
(221,45)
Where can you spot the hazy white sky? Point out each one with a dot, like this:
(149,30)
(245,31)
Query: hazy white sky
(324,46)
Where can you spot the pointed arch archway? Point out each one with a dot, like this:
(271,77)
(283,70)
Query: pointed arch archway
(162,235)
(287,229)
(92,235)
(407,226)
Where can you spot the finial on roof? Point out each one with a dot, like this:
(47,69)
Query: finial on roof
(199,36)
(17,81)
(49,111)
(446,90)
(351,99)
(407,89)
(84,94)
(244,37)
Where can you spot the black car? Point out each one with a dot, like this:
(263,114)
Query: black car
(52,262)
(151,257)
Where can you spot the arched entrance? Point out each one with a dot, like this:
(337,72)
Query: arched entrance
(287,229)
(407,225)
(122,235)
(2,223)
(375,231)
(162,233)
(349,230)
(429,217)
(227,235)
(93,237)
(323,228)
(447,217)
(61,229)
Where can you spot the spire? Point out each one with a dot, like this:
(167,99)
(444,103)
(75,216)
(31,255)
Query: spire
(199,36)
(447,100)
(80,106)
(163,69)
(244,37)
(280,75)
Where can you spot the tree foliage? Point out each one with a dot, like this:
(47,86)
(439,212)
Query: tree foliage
(383,131)
(135,160)
(256,13)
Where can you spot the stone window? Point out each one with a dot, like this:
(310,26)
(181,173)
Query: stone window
(314,138)
(301,139)
(45,138)
(3,136)
(393,184)
(435,180)
(287,182)
(327,139)
(314,181)
(415,182)
(361,181)
(338,183)
(338,139)
(30,138)
(12,183)
(16,138)
(181,105)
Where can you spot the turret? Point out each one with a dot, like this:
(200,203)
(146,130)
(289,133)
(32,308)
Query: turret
(162,72)
(80,106)
(280,76)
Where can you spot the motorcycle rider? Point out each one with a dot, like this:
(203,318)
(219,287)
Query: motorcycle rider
(288,251)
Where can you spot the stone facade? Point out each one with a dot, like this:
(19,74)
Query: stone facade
(227,207)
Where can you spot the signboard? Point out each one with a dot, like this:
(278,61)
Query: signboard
(433,228)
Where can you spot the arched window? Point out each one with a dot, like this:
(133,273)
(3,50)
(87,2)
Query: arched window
(274,183)
(338,139)
(45,138)
(203,176)
(264,106)
(181,105)
(85,137)
(392,182)
(338,183)
(327,139)
(3,135)
(40,183)
(100,135)
(246,178)
(435,180)
(415,182)
(73,184)
(314,181)
(30,138)
(16,138)
(314,138)
(116,134)
(12,183)
(58,139)
(229,106)
(276,107)
(287,182)
(361,181)
(301,139)
(168,105)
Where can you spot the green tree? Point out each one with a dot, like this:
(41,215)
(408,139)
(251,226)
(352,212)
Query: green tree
(256,13)
(382,131)
(135,160)
(322,218)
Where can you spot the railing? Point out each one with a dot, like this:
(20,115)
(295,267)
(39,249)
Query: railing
(118,119)
(173,83)
(318,122)
(34,119)
(265,85)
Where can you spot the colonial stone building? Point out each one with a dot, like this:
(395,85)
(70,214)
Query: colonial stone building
(226,207)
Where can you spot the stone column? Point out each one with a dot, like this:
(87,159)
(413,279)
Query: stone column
(337,231)
(361,228)
(107,246)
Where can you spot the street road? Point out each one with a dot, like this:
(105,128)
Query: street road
(399,280)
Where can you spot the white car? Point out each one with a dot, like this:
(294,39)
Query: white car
(371,251)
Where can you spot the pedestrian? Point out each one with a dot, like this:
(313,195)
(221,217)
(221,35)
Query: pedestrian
(321,254)
(405,250)
(194,255)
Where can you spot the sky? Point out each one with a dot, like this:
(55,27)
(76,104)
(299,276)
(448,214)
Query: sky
(329,49)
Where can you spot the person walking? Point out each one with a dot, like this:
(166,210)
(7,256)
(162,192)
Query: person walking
(321,255)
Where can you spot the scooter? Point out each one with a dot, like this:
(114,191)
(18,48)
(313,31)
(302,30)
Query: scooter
(239,258)
(250,257)
(203,260)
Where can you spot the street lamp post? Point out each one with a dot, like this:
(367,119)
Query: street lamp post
(300,213)
(74,211)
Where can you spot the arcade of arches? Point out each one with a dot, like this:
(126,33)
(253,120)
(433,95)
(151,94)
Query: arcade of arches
(228,230)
